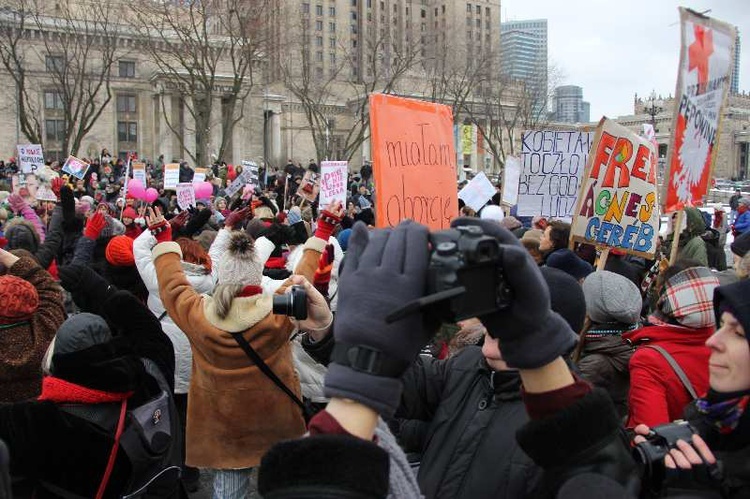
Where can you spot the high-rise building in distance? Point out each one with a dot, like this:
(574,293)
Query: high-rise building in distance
(524,52)
(570,106)
(735,83)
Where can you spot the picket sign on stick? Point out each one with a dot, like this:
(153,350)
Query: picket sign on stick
(617,206)
(333,181)
(477,192)
(602,259)
(676,241)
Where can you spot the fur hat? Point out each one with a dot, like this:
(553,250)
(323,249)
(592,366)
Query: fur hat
(611,297)
(21,234)
(119,252)
(18,299)
(492,212)
(566,260)
(239,264)
(741,244)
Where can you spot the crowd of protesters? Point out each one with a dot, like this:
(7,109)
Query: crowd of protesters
(142,343)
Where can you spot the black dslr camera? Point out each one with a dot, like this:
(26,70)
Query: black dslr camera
(650,454)
(293,304)
(465,277)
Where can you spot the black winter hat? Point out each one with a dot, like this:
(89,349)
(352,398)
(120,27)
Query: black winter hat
(352,468)
(22,235)
(741,244)
(736,299)
(566,297)
(77,333)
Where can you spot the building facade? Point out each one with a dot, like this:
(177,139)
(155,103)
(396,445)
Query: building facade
(735,83)
(569,106)
(524,51)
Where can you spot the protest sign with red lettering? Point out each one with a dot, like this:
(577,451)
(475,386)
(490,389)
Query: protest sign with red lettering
(309,186)
(414,161)
(333,182)
(76,167)
(617,204)
(30,158)
(703,79)
(185,195)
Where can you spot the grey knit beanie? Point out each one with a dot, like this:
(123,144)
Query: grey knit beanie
(611,297)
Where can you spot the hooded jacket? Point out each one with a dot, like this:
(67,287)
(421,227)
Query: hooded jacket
(199,279)
(470,448)
(694,247)
(23,345)
(605,363)
(235,413)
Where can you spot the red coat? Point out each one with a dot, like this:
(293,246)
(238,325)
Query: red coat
(657,395)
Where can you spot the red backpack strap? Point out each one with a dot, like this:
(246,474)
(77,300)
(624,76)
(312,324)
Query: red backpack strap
(113,452)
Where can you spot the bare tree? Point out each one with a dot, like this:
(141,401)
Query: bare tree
(204,50)
(77,47)
(378,65)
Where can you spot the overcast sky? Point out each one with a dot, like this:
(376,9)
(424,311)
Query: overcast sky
(615,48)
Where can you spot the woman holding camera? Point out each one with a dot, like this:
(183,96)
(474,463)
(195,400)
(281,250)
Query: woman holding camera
(235,413)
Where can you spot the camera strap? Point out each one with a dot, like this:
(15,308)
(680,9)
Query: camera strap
(258,361)
(676,368)
(367,360)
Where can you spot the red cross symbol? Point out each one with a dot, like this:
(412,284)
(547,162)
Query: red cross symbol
(700,51)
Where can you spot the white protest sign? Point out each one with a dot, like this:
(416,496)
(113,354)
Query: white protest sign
(248,176)
(30,158)
(76,167)
(171,175)
(199,175)
(477,192)
(333,180)
(251,167)
(552,164)
(185,195)
(511,177)
(139,173)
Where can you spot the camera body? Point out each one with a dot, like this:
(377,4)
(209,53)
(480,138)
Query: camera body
(650,454)
(293,303)
(465,276)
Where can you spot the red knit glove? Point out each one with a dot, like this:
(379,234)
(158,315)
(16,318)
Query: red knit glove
(322,276)
(327,223)
(57,184)
(179,221)
(236,218)
(95,226)
(162,231)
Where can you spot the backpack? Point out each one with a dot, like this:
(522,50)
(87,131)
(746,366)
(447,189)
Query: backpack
(150,438)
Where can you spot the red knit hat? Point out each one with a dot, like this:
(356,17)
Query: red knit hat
(18,299)
(120,252)
(129,213)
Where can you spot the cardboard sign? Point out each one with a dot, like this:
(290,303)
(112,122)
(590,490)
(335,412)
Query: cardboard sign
(171,175)
(703,79)
(511,178)
(414,161)
(477,192)
(617,205)
(200,175)
(552,163)
(139,173)
(309,186)
(251,167)
(334,176)
(185,195)
(76,167)
(30,158)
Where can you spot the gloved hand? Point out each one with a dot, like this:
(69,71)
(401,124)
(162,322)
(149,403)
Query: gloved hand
(329,219)
(89,289)
(95,225)
(531,334)
(383,270)
(158,226)
(236,218)
(56,185)
(16,203)
(322,277)
(68,203)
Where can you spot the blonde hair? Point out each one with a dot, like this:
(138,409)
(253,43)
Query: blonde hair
(224,295)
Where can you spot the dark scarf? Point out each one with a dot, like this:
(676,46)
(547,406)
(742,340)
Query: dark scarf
(723,410)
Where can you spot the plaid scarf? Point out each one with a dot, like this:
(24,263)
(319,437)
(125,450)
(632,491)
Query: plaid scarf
(724,415)
(687,299)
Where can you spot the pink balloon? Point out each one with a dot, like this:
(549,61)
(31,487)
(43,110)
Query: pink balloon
(137,191)
(151,195)
(203,190)
(134,182)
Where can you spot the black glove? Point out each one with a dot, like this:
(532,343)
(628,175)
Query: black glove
(67,201)
(196,222)
(530,333)
(384,270)
(89,289)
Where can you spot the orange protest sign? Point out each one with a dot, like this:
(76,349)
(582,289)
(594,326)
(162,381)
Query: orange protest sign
(414,162)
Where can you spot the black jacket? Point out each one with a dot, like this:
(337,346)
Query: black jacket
(51,448)
(470,448)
